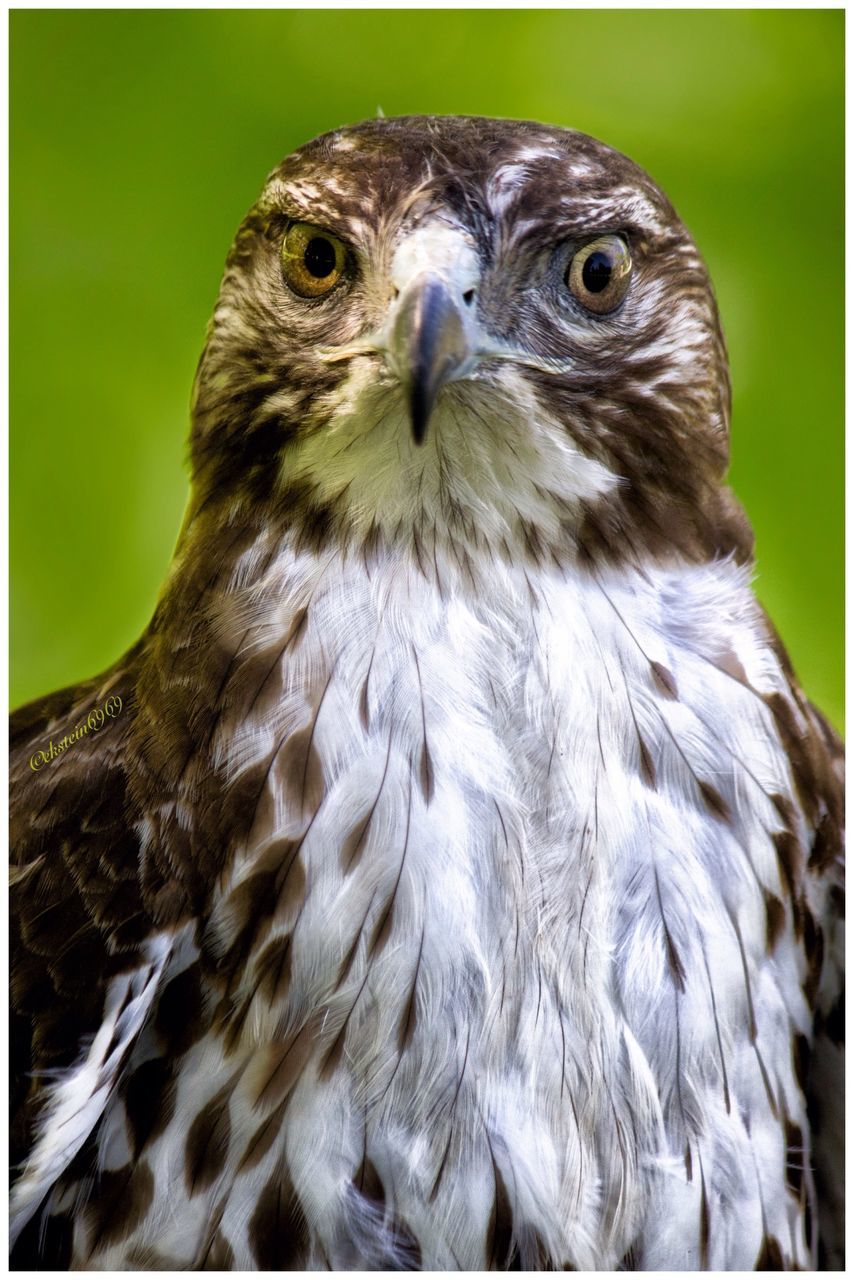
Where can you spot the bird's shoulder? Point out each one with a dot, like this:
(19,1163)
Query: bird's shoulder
(69,805)
(816,758)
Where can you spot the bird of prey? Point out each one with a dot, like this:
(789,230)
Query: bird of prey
(450,877)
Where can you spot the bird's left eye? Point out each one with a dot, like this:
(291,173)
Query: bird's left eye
(599,274)
(312,260)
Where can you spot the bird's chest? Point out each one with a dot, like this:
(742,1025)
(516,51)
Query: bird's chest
(459,789)
(465,947)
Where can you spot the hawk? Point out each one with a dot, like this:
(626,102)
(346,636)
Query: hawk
(453,877)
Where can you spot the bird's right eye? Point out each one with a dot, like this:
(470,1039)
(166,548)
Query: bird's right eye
(600,273)
(312,260)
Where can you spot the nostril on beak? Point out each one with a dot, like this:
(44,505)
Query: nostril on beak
(468,296)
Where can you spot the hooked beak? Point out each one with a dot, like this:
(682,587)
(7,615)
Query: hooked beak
(430,345)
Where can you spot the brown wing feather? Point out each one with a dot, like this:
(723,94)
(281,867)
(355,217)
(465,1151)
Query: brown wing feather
(826,1079)
(76,916)
(816,756)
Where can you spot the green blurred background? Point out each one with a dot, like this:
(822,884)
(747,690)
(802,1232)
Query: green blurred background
(139,138)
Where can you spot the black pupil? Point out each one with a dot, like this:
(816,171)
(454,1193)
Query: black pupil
(319,258)
(596,272)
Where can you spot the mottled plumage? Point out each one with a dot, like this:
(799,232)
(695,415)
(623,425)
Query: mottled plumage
(461,884)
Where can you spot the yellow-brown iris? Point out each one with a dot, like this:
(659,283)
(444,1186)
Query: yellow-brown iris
(599,274)
(312,260)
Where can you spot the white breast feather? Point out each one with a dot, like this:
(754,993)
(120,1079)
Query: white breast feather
(532,895)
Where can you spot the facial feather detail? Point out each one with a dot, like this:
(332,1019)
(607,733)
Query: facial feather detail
(611,429)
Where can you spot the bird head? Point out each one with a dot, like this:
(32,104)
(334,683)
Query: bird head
(490,332)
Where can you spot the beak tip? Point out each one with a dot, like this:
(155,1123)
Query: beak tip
(419,412)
